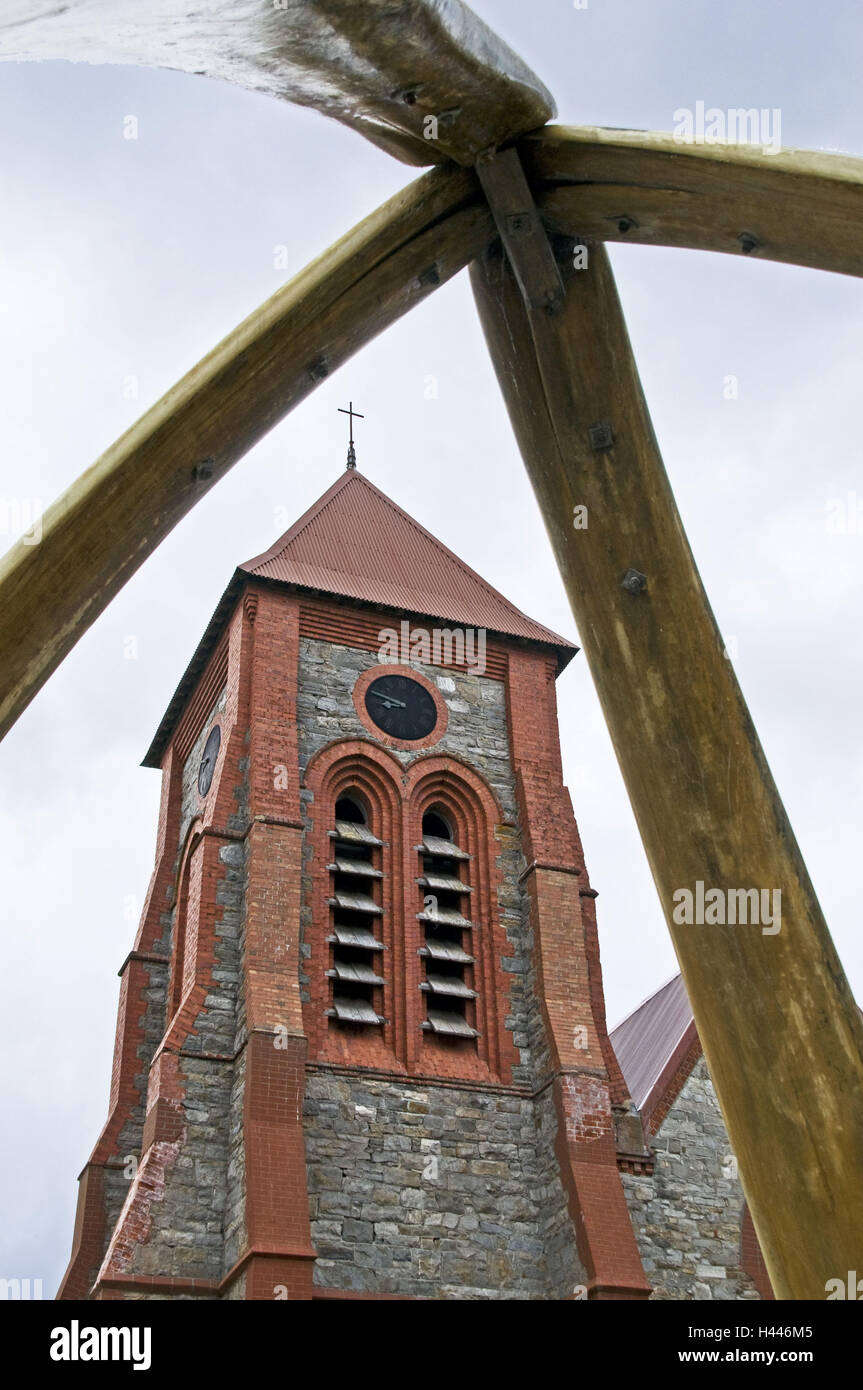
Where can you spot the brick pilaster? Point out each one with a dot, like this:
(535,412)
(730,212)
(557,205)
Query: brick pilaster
(585,1080)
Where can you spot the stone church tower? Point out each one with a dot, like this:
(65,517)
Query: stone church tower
(361,1047)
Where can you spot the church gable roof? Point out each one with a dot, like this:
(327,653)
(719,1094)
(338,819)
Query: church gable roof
(657,1046)
(357,543)
(651,1043)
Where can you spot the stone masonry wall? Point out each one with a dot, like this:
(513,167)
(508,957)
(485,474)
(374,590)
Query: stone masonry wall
(476,730)
(687,1215)
(119,1174)
(188,1223)
(434,1190)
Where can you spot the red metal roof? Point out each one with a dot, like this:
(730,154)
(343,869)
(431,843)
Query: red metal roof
(357,543)
(648,1038)
(652,1042)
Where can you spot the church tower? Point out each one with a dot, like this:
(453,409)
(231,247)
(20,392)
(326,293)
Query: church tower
(361,1047)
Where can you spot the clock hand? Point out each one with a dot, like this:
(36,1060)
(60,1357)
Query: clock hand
(389,701)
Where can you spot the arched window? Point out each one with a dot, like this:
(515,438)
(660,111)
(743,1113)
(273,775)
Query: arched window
(446,920)
(356,992)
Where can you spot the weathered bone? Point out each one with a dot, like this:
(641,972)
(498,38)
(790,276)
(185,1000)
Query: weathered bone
(425,79)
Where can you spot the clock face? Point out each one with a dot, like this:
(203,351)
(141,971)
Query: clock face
(401,707)
(208,761)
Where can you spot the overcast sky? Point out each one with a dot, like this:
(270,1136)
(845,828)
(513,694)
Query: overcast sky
(123,261)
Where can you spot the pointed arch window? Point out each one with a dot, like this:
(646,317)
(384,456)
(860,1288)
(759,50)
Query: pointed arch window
(356,989)
(447,955)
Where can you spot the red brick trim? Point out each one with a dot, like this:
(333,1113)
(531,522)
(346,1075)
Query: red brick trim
(452,1083)
(212,1288)
(365,679)
(350,623)
(556,868)
(751,1258)
(607,1293)
(284,821)
(88,1240)
(374,774)
(121,1284)
(202,699)
(638,1164)
(474,810)
(596,1202)
(258,1252)
(280,1250)
(396,799)
(144,958)
(671,1081)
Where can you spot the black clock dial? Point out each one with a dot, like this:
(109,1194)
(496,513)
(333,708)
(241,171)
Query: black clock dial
(208,761)
(401,707)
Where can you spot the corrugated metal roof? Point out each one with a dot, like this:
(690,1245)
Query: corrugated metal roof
(356,542)
(646,1040)
(651,1043)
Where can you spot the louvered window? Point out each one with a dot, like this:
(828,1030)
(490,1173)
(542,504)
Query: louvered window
(446,920)
(355,912)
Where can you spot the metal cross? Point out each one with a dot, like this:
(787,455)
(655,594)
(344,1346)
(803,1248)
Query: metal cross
(354,414)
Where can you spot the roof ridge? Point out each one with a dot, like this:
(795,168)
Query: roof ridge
(302,523)
(439,544)
(690,1023)
(305,521)
(678,975)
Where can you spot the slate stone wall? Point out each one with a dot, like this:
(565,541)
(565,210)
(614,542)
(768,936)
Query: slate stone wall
(434,1191)
(119,1175)
(188,1237)
(476,730)
(687,1215)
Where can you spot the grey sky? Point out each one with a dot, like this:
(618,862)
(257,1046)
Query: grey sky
(130,258)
